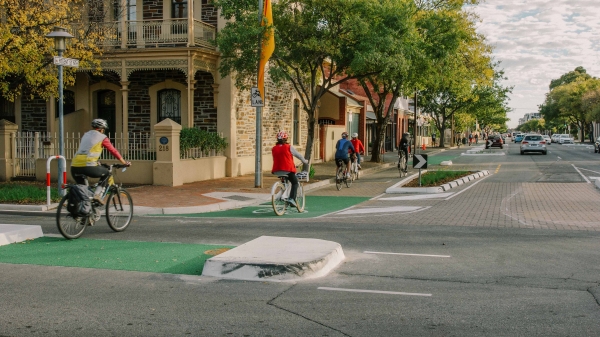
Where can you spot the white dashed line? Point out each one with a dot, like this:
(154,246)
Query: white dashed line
(406,254)
(373,291)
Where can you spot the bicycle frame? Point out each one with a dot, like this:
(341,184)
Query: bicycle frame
(286,183)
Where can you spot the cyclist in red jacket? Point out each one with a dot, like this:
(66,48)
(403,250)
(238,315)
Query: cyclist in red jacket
(283,163)
(359,147)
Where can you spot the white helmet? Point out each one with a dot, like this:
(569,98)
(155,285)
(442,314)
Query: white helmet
(99,124)
(354,135)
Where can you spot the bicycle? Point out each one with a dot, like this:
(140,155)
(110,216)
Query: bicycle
(280,192)
(340,175)
(354,167)
(118,206)
(402,164)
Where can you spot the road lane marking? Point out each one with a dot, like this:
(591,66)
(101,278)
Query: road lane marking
(377,197)
(594,178)
(589,170)
(393,209)
(498,168)
(475,183)
(406,254)
(419,196)
(373,291)
(584,177)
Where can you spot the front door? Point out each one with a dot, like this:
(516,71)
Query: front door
(106,110)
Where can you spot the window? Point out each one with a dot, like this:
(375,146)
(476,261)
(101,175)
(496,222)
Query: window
(7,110)
(179,9)
(296,123)
(131,10)
(68,105)
(169,105)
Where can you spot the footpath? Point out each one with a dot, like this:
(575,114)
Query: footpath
(217,194)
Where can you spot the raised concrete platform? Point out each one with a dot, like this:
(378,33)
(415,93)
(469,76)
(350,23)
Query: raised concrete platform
(270,258)
(18,233)
(398,188)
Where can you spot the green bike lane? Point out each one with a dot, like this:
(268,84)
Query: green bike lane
(189,259)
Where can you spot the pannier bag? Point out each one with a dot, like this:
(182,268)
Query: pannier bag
(80,200)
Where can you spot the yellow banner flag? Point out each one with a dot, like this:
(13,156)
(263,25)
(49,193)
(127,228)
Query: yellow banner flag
(267,47)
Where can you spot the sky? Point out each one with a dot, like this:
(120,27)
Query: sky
(538,41)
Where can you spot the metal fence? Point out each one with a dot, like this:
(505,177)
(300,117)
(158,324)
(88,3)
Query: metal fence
(29,146)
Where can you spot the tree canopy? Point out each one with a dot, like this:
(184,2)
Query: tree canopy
(26,53)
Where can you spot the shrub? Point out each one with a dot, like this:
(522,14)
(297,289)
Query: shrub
(195,138)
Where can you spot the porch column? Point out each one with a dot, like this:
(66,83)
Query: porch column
(7,129)
(123,23)
(190,25)
(190,102)
(125,95)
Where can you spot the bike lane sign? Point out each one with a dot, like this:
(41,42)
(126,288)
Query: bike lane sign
(255,98)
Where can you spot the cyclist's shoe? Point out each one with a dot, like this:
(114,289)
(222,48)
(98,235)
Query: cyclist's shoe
(348,175)
(360,168)
(98,199)
(292,202)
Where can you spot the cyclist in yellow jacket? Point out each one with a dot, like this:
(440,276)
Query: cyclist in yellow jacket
(85,161)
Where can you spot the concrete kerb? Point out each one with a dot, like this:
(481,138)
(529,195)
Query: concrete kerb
(397,188)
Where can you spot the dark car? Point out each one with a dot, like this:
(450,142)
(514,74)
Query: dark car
(494,141)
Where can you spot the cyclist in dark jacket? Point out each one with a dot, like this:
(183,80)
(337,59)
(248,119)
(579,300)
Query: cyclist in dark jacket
(342,148)
(404,144)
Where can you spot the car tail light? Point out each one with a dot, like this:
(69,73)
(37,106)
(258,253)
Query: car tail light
(542,142)
(524,142)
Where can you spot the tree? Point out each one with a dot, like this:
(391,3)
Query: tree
(568,99)
(490,105)
(26,52)
(315,45)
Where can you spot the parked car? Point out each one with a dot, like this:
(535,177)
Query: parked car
(565,139)
(519,137)
(547,139)
(597,145)
(533,143)
(496,141)
(554,137)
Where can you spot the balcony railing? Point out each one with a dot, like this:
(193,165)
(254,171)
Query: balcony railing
(151,33)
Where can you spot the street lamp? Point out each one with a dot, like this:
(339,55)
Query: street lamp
(60,35)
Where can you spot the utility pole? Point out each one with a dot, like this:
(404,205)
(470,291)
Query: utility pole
(258,150)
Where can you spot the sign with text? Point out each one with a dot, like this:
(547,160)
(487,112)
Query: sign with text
(255,98)
(67,62)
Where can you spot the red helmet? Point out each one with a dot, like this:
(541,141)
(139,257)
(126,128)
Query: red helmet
(282,135)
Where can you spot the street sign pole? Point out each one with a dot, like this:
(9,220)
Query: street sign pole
(61,147)
(258,161)
(419,177)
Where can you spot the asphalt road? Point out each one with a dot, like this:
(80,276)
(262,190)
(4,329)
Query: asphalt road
(512,254)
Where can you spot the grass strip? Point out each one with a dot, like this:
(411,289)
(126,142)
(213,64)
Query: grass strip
(26,193)
(437,178)
(155,257)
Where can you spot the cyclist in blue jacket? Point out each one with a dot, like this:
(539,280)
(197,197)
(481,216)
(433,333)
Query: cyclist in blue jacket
(341,152)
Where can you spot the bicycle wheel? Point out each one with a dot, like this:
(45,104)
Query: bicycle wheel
(278,203)
(300,199)
(68,226)
(355,170)
(339,178)
(348,180)
(402,165)
(119,209)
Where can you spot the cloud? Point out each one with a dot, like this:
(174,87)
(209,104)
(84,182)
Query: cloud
(539,40)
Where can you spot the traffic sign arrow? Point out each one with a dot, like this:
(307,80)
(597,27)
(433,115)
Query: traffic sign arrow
(420,161)
(490,142)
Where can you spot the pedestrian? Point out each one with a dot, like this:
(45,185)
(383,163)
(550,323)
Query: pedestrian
(470,138)
(433,138)
(476,138)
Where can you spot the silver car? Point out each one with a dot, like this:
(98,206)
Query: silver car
(533,143)
(565,139)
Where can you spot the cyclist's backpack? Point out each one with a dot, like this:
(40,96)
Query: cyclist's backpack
(80,200)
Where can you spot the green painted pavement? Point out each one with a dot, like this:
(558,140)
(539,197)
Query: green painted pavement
(156,257)
(315,206)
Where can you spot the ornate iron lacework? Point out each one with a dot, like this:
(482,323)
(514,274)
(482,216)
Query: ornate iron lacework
(169,105)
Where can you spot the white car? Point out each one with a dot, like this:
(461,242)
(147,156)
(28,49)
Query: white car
(547,139)
(565,139)
(554,137)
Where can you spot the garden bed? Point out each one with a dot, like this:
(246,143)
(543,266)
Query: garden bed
(437,178)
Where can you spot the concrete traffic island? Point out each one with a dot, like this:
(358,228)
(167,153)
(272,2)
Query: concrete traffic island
(398,187)
(18,233)
(270,258)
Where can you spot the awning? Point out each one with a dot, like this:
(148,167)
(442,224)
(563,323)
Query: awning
(371,115)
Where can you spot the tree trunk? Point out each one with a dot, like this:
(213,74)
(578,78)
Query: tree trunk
(376,155)
(309,140)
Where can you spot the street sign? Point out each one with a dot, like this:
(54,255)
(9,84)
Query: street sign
(490,142)
(420,161)
(67,62)
(255,98)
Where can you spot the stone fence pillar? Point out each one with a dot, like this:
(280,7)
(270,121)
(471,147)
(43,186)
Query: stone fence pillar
(166,168)
(6,149)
